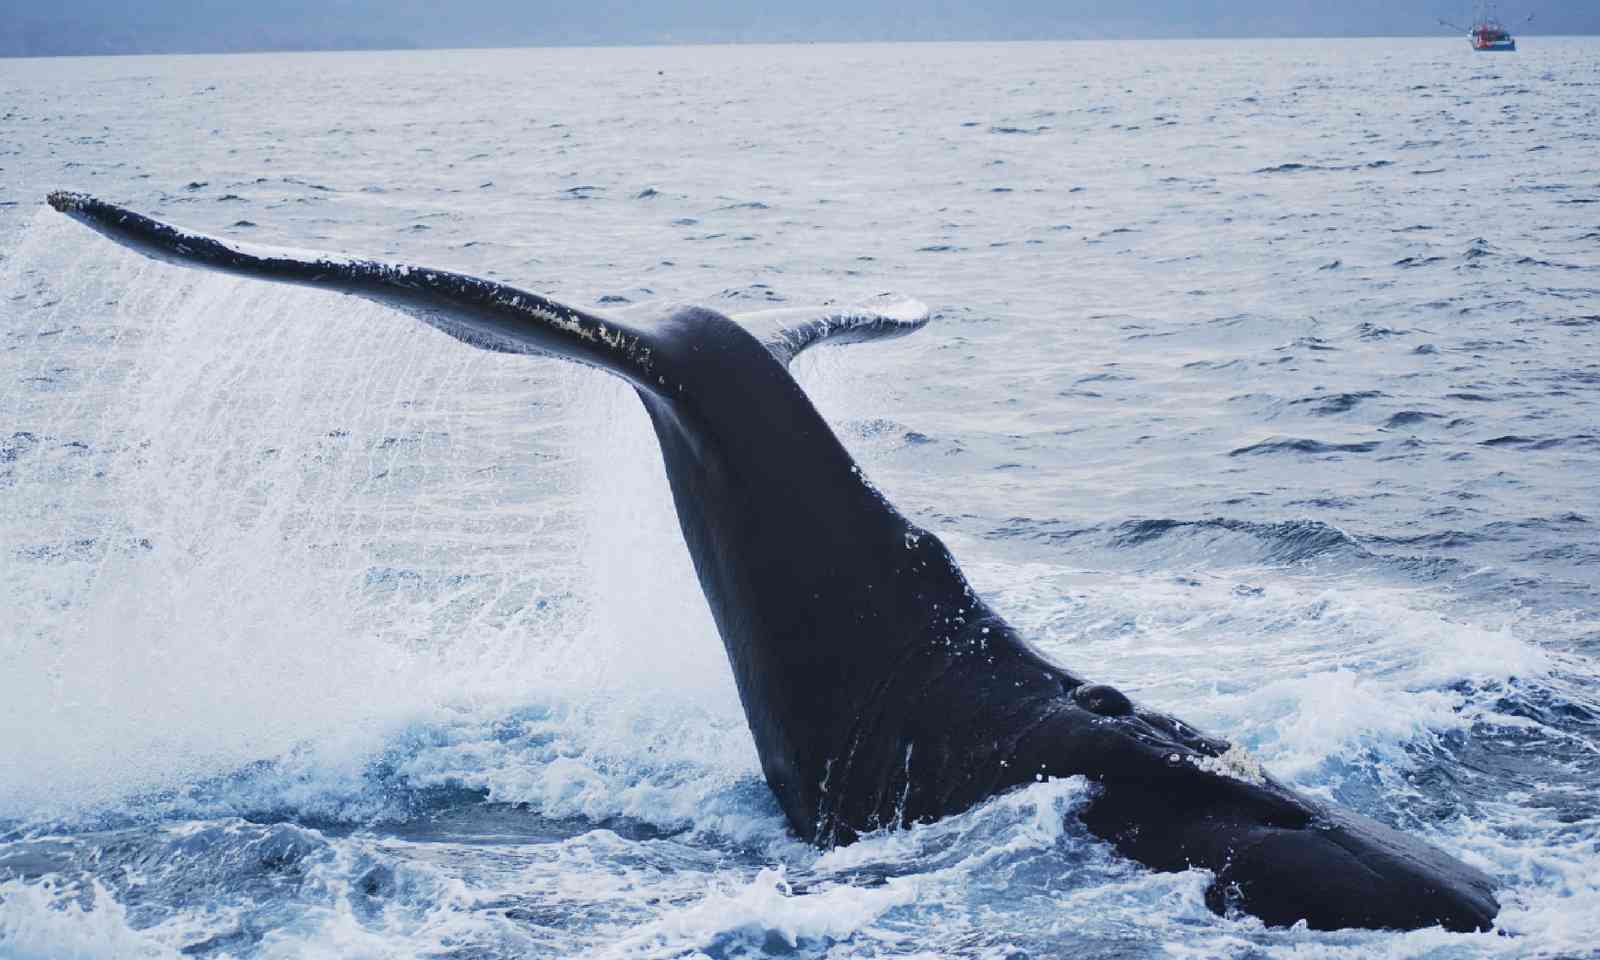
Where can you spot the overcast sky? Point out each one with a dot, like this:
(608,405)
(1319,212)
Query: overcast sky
(46,27)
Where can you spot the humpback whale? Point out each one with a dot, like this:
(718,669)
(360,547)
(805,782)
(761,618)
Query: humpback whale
(880,689)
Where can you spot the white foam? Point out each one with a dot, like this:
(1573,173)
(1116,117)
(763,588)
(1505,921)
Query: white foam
(765,909)
(47,921)
(1035,817)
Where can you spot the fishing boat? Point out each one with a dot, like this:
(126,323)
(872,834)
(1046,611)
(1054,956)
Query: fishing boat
(1488,34)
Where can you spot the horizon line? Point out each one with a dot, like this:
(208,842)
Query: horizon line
(646,44)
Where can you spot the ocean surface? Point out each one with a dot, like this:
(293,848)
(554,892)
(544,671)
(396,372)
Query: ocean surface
(1263,381)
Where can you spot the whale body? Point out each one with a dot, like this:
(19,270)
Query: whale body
(880,689)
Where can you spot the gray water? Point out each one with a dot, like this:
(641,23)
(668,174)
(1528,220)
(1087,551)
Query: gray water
(1262,383)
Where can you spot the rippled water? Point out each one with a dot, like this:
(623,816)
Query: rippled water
(1263,383)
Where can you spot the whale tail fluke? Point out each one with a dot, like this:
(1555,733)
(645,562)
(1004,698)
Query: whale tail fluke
(750,461)
(484,313)
(788,331)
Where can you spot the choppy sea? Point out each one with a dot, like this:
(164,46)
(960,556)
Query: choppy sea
(1263,381)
